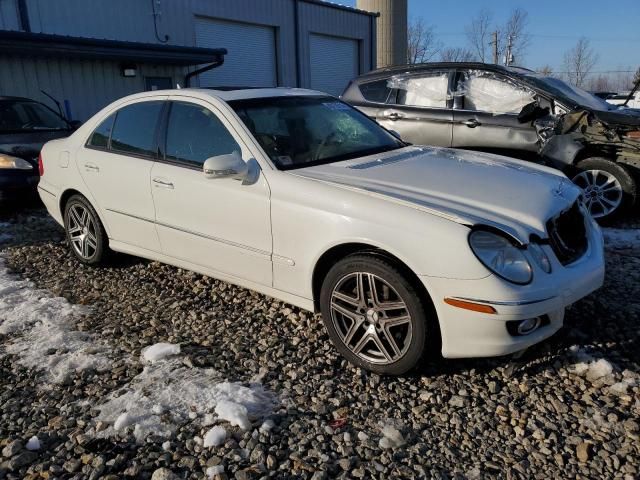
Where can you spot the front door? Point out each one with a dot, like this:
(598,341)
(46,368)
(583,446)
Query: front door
(116,163)
(486,117)
(221,224)
(421,110)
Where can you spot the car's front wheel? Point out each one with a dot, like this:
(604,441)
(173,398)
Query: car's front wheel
(374,315)
(86,236)
(608,187)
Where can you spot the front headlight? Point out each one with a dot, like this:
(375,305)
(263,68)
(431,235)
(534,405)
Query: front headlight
(540,257)
(7,161)
(499,255)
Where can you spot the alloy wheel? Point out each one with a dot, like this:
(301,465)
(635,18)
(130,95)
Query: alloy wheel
(601,192)
(371,318)
(81,229)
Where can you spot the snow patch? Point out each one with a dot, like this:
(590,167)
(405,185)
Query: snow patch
(233,412)
(160,351)
(181,391)
(621,238)
(214,437)
(33,443)
(391,438)
(47,339)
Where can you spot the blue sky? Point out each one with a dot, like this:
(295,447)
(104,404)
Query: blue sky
(613,27)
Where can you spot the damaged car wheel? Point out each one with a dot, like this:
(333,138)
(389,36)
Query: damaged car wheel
(608,187)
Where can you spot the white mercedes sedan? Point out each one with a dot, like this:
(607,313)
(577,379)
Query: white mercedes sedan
(405,250)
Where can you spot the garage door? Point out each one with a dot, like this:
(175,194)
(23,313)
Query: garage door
(334,61)
(251,58)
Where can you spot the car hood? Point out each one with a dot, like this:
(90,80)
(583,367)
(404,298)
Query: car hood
(621,116)
(467,187)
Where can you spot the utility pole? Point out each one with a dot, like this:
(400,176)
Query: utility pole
(495,47)
(508,58)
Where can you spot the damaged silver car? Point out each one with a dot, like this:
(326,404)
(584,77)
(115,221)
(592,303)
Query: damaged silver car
(515,112)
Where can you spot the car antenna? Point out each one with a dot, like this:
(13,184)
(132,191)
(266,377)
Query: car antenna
(632,92)
(56,102)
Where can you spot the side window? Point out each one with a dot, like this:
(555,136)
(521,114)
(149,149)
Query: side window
(135,128)
(486,92)
(375,91)
(194,133)
(428,90)
(100,136)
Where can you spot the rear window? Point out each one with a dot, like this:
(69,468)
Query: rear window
(135,128)
(375,91)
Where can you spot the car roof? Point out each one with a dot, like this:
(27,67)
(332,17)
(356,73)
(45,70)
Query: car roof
(420,67)
(228,94)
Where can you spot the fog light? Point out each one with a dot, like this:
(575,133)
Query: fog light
(525,327)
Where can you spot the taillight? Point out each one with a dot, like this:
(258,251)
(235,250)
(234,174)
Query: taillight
(40,165)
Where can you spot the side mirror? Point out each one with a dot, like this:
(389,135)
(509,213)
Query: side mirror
(532,111)
(230,165)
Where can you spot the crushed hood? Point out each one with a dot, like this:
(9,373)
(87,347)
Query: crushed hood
(466,187)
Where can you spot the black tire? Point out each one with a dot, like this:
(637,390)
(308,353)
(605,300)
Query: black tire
(95,240)
(621,174)
(408,352)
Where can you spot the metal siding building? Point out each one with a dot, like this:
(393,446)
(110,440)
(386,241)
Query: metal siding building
(306,43)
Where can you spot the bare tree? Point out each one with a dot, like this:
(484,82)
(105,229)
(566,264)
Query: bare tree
(514,32)
(636,76)
(479,34)
(456,54)
(422,43)
(600,83)
(545,70)
(579,61)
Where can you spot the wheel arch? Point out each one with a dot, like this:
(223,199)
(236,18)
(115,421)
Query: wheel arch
(70,192)
(343,250)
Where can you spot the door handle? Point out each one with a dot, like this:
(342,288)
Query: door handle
(471,123)
(90,167)
(395,116)
(161,183)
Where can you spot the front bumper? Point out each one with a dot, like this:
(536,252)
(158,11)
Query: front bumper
(15,184)
(472,334)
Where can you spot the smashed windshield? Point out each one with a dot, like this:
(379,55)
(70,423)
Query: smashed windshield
(574,94)
(302,131)
(25,116)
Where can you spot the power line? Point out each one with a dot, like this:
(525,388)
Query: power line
(568,37)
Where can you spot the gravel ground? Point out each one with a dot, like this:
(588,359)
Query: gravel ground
(567,408)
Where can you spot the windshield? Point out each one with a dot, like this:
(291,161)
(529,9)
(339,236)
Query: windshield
(27,116)
(574,94)
(302,131)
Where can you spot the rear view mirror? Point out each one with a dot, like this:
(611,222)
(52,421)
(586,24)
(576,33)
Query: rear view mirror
(230,165)
(532,111)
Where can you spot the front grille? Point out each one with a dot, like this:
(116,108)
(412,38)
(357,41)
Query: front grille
(568,235)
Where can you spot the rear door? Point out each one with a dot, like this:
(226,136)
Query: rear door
(116,163)
(485,115)
(420,108)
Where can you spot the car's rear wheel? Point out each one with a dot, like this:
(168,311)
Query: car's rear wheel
(86,236)
(374,315)
(608,187)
